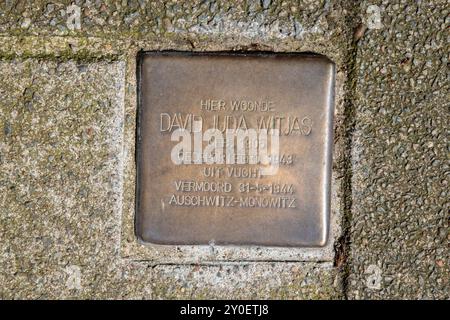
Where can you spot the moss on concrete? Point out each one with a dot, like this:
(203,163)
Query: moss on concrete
(67,123)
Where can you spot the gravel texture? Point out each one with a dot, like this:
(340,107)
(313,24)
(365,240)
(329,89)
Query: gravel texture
(399,222)
(67,125)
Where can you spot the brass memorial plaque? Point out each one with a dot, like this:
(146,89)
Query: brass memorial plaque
(234,149)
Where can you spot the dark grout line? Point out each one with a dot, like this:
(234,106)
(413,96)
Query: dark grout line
(342,246)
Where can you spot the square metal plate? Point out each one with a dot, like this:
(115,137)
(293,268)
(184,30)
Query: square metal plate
(234,204)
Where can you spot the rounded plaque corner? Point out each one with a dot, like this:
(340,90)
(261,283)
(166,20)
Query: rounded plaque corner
(329,61)
(140,238)
(319,56)
(323,241)
(146,237)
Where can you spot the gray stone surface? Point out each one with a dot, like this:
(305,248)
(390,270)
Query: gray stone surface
(247,281)
(399,219)
(60,184)
(67,123)
(197,18)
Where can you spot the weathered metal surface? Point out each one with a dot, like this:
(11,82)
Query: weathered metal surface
(229,203)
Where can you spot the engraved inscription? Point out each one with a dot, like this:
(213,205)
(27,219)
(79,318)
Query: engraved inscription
(287,125)
(234,149)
